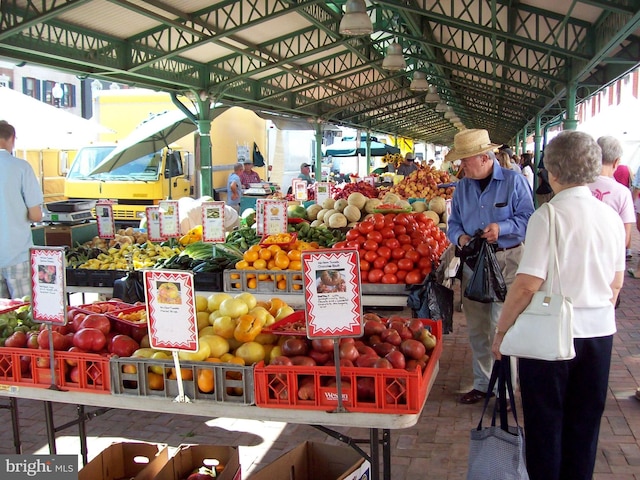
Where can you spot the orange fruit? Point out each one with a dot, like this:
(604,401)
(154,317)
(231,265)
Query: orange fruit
(282,261)
(260,264)
(275,305)
(295,265)
(255,248)
(242,265)
(297,286)
(274,248)
(282,284)
(271,264)
(250,256)
(294,254)
(252,283)
(206,382)
(265,254)
(155,381)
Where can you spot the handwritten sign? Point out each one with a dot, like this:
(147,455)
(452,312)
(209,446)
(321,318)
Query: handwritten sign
(260,216)
(169,219)
(171,310)
(153,224)
(213,222)
(323,191)
(333,302)
(275,216)
(299,188)
(48,298)
(106,222)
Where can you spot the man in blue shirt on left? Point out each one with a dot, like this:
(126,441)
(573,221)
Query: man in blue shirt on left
(497,201)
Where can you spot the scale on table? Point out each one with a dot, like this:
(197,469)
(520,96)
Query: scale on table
(259,189)
(68,212)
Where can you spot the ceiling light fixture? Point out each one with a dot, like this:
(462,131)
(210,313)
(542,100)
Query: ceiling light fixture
(441,107)
(432,96)
(419,82)
(449,113)
(355,20)
(394,61)
(455,119)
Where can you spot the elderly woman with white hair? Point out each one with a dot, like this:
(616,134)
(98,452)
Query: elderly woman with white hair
(563,401)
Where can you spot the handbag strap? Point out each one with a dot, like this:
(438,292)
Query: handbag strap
(553,267)
(500,374)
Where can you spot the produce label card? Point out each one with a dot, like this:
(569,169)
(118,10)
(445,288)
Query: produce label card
(323,191)
(333,302)
(299,188)
(153,224)
(213,222)
(275,216)
(171,310)
(260,216)
(106,222)
(169,220)
(370,180)
(48,285)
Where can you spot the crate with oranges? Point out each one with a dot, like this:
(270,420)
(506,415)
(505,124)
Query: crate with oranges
(269,268)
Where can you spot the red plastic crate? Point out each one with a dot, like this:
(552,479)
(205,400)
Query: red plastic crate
(103,307)
(136,330)
(396,391)
(31,368)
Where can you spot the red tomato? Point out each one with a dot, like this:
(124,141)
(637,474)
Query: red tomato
(380,262)
(412,255)
(389,219)
(401,274)
(364,266)
(399,229)
(341,244)
(406,246)
(390,242)
(404,264)
(387,232)
(375,236)
(375,275)
(370,245)
(378,221)
(404,238)
(389,278)
(365,227)
(390,267)
(353,244)
(423,249)
(401,219)
(413,277)
(352,234)
(426,270)
(397,253)
(424,262)
(384,252)
(370,256)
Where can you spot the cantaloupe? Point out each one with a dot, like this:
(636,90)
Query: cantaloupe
(352,213)
(312,211)
(372,204)
(337,220)
(357,199)
(438,205)
(340,205)
(328,203)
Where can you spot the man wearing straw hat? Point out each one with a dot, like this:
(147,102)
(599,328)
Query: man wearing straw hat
(497,201)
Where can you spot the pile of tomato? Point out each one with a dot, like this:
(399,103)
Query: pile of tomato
(396,247)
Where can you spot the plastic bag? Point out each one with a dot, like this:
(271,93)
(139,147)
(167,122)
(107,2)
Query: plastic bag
(130,288)
(432,300)
(486,284)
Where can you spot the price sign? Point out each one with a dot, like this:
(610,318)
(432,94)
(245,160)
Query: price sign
(370,180)
(171,310)
(323,191)
(260,216)
(333,301)
(169,219)
(299,188)
(213,222)
(106,222)
(153,224)
(275,216)
(48,298)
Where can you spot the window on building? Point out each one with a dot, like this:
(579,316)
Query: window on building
(31,87)
(47,87)
(69,98)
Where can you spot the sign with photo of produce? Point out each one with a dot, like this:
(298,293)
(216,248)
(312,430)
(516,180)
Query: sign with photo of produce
(274,216)
(323,192)
(153,224)
(332,293)
(299,188)
(213,222)
(48,285)
(171,310)
(169,218)
(106,222)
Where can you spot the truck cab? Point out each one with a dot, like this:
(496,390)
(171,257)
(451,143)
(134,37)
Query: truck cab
(134,185)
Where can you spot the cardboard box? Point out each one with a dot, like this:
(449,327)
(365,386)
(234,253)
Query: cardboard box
(316,461)
(128,460)
(190,457)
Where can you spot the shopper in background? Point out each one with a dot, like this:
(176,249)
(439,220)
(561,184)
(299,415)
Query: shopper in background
(563,401)
(408,166)
(635,193)
(20,204)
(607,189)
(497,201)
(234,187)
(248,175)
(623,176)
(544,192)
(305,173)
(527,168)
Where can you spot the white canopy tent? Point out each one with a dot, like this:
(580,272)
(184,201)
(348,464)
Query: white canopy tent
(39,125)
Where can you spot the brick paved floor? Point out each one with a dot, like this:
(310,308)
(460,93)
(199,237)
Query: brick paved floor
(435,448)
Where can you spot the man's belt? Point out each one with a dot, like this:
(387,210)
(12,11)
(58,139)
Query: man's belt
(504,249)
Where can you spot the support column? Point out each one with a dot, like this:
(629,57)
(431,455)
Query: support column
(318,129)
(523,140)
(570,121)
(537,140)
(518,146)
(368,151)
(206,172)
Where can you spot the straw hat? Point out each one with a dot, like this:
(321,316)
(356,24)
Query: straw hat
(468,143)
(410,157)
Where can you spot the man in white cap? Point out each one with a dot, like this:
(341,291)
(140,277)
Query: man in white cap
(497,201)
(305,173)
(408,166)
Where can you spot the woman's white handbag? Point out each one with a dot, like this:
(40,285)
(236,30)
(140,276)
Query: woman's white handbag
(544,330)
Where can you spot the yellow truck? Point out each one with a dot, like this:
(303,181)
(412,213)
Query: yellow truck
(50,167)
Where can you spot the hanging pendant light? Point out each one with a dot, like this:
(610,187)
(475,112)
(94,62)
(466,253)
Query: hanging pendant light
(432,96)
(419,82)
(355,20)
(394,61)
(455,119)
(441,107)
(449,113)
